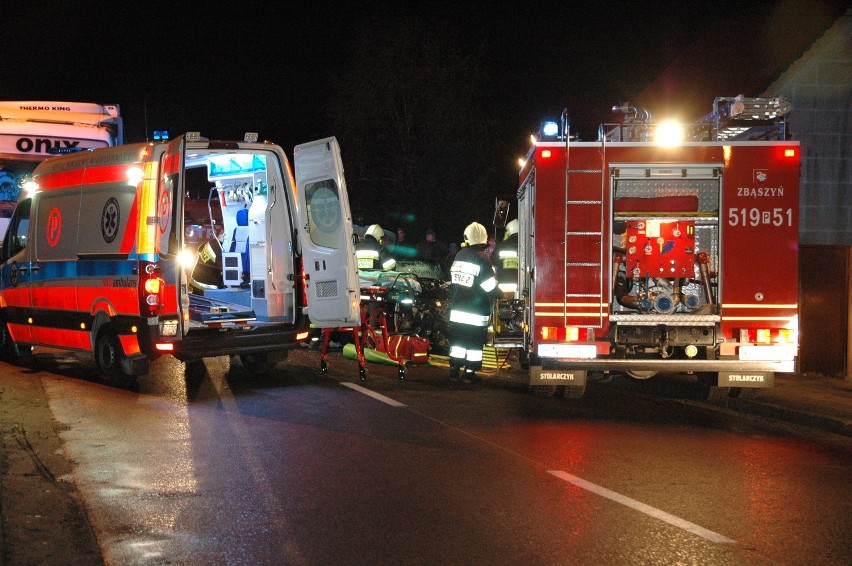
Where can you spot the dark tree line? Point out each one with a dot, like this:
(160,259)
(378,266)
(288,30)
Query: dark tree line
(409,114)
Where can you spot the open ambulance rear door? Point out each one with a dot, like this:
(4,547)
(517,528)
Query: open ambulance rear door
(325,235)
(170,211)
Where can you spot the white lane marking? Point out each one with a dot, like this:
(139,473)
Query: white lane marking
(639,506)
(579,482)
(372,394)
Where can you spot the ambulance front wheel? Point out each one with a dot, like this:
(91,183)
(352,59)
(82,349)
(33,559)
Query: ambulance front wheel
(8,348)
(108,356)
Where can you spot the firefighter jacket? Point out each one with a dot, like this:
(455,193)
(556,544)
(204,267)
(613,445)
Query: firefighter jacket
(505,259)
(474,286)
(371,255)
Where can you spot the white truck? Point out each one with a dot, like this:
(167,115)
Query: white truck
(32,130)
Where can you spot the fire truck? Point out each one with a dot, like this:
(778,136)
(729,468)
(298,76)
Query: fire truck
(659,249)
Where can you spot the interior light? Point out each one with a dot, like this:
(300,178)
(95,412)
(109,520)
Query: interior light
(187,258)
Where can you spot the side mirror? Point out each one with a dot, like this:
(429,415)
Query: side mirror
(501,213)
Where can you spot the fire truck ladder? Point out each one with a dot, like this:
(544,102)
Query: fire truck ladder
(583,252)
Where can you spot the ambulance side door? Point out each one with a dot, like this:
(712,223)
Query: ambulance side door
(17,253)
(325,235)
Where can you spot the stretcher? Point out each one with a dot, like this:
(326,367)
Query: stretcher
(372,336)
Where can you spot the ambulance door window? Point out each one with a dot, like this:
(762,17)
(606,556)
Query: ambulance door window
(169,242)
(16,237)
(324,214)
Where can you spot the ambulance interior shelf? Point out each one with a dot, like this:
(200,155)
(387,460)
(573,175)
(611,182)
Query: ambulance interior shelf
(221,277)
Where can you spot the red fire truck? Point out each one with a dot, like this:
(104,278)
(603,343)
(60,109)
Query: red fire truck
(642,255)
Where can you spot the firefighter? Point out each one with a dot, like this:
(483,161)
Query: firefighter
(474,289)
(505,259)
(371,253)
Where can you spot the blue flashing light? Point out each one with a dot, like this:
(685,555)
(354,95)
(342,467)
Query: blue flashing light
(161,135)
(549,129)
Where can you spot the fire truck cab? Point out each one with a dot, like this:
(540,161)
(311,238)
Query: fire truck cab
(642,255)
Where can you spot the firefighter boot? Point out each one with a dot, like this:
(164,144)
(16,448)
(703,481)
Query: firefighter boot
(454,370)
(471,377)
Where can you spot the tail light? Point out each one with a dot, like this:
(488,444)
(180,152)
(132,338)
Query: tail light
(768,336)
(560,334)
(151,288)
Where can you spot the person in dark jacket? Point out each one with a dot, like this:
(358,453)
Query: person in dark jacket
(433,250)
(371,254)
(505,258)
(474,289)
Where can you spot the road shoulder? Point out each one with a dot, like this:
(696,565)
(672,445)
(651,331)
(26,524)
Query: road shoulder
(44,521)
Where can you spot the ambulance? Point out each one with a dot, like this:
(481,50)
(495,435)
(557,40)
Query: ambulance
(191,247)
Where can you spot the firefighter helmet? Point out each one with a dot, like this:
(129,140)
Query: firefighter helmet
(475,233)
(511,228)
(375,231)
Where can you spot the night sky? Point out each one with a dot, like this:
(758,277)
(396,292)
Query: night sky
(272,68)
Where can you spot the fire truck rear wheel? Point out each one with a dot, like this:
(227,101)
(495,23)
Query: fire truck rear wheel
(638,374)
(543,390)
(710,390)
(744,392)
(574,391)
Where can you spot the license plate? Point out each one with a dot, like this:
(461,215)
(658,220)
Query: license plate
(170,328)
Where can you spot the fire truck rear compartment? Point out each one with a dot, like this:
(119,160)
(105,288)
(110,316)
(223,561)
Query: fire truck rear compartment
(661,336)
